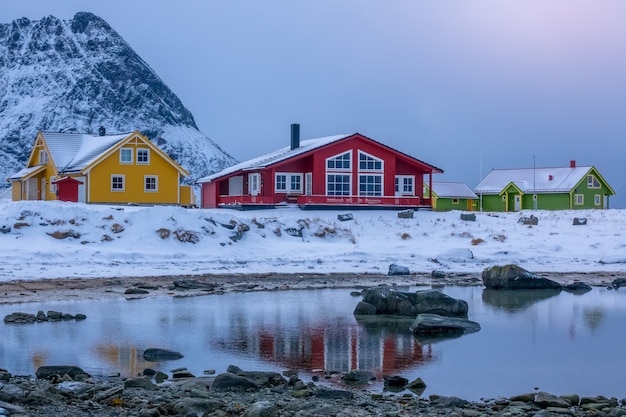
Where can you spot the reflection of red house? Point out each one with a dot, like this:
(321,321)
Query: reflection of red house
(335,171)
(67,189)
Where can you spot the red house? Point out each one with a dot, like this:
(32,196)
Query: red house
(343,171)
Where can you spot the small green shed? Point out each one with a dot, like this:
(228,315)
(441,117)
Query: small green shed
(452,196)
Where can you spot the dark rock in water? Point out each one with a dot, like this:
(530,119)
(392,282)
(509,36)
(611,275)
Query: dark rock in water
(395,381)
(514,277)
(137,291)
(157,354)
(260,378)
(364,309)
(149,372)
(358,377)
(618,282)
(54,372)
(433,324)
(20,318)
(577,288)
(418,386)
(449,402)
(229,381)
(398,270)
(388,301)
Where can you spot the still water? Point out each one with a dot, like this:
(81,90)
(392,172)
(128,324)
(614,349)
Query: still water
(556,342)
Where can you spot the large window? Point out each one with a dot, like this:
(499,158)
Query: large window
(340,162)
(126,156)
(151,183)
(369,163)
(337,184)
(288,183)
(404,185)
(592,182)
(143,156)
(117,182)
(371,185)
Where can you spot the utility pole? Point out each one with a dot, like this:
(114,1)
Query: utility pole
(534,185)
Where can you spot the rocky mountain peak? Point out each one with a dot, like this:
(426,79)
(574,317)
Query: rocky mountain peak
(80,74)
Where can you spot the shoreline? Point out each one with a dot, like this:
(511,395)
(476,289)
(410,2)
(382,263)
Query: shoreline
(55,289)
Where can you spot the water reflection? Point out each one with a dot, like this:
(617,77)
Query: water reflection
(515,300)
(527,339)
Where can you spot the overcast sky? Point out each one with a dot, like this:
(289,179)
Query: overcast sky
(466,86)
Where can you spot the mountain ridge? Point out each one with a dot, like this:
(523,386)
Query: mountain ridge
(79,74)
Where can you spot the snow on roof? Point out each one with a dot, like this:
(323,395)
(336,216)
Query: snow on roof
(541,180)
(73,152)
(274,157)
(452,190)
(26,172)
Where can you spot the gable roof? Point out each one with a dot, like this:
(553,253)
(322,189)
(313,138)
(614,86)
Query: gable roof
(452,190)
(539,180)
(285,153)
(26,173)
(71,152)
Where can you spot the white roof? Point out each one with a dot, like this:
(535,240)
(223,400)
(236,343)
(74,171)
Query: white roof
(274,157)
(452,190)
(72,152)
(541,180)
(26,172)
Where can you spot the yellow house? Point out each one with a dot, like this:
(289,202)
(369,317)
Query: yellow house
(108,169)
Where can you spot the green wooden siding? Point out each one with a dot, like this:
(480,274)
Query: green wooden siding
(446,204)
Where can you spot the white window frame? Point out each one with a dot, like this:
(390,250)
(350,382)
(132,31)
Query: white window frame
(308,183)
(579,199)
(130,160)
(373,193)
(335,157)
(399,185)
(141,151)
(254,183)
(333,174)
(53,186)
(289,182)
(118,190)
(370,159)
(592,182)
(43,157)
(597,200)
(455,200)
(145,183)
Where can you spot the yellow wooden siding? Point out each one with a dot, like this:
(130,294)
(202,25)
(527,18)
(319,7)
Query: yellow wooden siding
(16,190)
(100,191)
(187,196)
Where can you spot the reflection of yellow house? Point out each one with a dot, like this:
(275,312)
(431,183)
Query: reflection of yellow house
(111,169)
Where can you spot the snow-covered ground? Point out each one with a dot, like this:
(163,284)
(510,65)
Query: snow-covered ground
(117,241)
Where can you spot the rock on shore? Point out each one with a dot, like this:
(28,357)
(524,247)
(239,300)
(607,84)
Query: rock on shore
(267,395)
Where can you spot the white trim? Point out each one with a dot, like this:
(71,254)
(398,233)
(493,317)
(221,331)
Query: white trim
(142,150)
(382,184)
(343,174)
(597,200)
(400,183)
(308,183)
(375,160)
(348,169)
(122,161)
(289,176)
(118,190)
(156,183)
(579,199)
(254,183)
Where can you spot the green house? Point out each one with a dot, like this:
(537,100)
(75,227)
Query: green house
(452,196)
(561,188)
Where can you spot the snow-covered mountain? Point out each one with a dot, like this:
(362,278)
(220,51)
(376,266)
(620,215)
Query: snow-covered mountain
(77,75)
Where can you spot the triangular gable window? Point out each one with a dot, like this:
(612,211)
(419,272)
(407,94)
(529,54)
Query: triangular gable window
(339,162)
(369,163)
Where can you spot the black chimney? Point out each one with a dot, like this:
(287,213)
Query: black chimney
(102,131)
(295,136)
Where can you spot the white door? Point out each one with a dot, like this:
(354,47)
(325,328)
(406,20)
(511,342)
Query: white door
(254,184)
(235,185)
(43,189)
(518,202)
(308,186)
(81,189)
(32,188)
